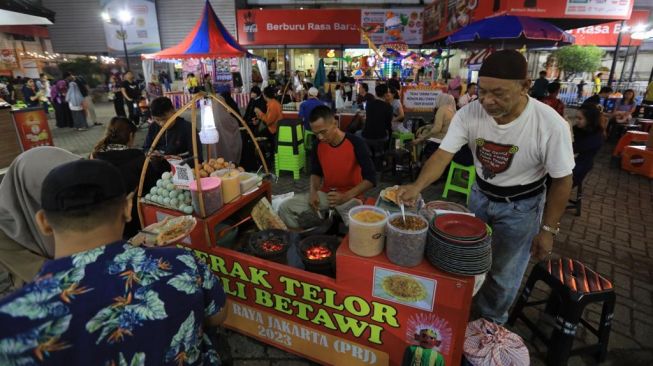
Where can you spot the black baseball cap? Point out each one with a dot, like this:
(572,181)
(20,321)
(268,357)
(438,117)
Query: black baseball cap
(80,184)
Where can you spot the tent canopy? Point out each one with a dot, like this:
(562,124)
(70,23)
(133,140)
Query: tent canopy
(208,39)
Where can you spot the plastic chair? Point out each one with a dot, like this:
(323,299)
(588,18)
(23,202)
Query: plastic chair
(290,153)
(456,182)
(573,287)
(403,136)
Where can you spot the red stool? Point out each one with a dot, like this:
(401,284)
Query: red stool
(573,287)
(646,124)
(638,160)
(627,139)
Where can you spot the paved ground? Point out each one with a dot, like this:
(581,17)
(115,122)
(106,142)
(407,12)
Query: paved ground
(613,235)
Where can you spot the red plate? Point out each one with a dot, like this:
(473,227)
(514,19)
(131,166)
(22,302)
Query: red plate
(460,226)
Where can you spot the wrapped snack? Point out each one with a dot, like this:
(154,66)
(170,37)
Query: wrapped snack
(489,344)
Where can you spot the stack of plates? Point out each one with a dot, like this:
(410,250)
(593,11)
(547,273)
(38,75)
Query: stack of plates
(459,244)
(432,208)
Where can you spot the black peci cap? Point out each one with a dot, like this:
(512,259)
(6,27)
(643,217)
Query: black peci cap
(505,64)
(80,184)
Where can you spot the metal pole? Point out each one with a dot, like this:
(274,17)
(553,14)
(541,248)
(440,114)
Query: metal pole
(623,66)
(616,54)
(632,66)
(124,44)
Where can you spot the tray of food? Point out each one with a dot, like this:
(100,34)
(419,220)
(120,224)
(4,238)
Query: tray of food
(169,231)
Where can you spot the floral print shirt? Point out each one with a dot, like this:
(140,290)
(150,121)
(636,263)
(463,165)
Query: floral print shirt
(113,305)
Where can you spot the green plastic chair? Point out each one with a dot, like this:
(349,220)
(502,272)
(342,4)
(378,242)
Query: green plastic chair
(457,183)
(403,136)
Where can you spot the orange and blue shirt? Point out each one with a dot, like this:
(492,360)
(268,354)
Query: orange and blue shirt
(116,304)
(345,166)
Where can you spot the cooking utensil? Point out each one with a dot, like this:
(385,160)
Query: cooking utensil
(403,212)
(222,232)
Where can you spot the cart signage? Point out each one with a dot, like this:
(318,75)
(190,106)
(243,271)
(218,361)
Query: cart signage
(420,98)
(362,318)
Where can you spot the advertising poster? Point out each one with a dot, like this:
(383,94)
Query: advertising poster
(32,128)
(444,17)
(393,25)
(298,27)
(590,9)
(606,34)
(142,31)
(433,17)
(420,98)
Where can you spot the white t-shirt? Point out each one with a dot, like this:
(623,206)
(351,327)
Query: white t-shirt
(518,153)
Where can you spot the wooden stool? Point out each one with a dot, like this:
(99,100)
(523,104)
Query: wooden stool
(573,287)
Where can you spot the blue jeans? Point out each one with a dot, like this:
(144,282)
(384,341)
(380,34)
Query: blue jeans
(514,225)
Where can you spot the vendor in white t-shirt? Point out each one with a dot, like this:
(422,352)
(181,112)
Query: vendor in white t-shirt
(516,141)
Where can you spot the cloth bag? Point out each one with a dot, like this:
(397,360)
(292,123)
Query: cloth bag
(489,344)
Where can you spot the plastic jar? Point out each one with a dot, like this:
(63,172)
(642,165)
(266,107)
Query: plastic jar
(211,192)
(405,246)
(231,186)
(366,230)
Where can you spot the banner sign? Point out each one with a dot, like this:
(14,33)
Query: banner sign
(305,27)
(393,25)
(443,17)
(606,34)
(32,128)
(420,98)
(142,31)
(364,317)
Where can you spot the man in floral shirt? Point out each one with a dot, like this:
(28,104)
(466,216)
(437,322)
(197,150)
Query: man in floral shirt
(102,301)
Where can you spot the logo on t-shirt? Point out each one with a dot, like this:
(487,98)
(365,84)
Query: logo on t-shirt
(495,158)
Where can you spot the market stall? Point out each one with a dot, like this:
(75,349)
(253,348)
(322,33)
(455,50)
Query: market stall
(208,49)
(376,297)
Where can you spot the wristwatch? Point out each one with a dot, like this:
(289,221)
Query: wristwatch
(555,231)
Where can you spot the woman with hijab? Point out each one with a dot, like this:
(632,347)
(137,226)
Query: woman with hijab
(23,248)
(75,101)
(455,87)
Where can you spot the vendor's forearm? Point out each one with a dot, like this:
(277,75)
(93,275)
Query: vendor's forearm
(359,189)
(316,183)
(433,168)
(556,200)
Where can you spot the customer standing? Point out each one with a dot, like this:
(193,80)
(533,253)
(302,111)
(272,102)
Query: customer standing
(75,101)
(552,100)
(597,83)
(115,94)
(131,94)
(89,106)
(31,94)
(62,111)
(154,88)
(538,91)
(517,142)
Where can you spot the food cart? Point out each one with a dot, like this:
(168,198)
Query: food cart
(363,311)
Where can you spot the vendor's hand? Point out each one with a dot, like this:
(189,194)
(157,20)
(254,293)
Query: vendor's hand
(336,198)
(314,201)
(416,142)
(408,194)
(542,245)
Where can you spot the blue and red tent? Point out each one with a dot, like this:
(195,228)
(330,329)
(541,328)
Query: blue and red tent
(208,39)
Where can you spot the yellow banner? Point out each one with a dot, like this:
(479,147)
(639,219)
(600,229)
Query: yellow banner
(290,335)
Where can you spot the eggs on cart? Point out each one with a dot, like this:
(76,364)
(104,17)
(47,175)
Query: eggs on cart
(214,165)
(167,195)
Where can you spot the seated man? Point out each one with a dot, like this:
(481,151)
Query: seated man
(102,300)
(378,116)
(178,139)
(308,105)
(552,98)
(341,170)
(595,99)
